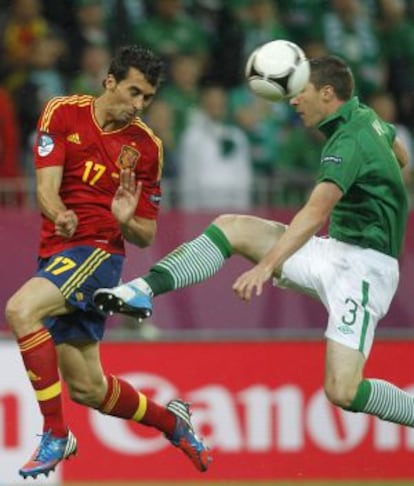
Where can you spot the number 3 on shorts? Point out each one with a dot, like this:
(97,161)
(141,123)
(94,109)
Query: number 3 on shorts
(351,315)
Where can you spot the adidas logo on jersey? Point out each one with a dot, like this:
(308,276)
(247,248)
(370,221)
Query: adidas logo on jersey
(74,138)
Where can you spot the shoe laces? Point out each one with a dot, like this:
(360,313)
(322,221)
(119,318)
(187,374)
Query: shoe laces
(49,445)
(185,431)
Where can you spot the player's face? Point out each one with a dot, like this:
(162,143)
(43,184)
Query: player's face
(130,96)
(309,105)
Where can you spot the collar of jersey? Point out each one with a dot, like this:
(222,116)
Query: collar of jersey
(330,123)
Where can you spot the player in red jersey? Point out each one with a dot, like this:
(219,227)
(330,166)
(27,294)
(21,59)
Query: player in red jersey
(95,160)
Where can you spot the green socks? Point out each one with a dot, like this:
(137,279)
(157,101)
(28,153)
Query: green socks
(384,400)
(191,262)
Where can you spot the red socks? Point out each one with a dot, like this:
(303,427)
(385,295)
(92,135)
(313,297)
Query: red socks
(40,360)
(122,400)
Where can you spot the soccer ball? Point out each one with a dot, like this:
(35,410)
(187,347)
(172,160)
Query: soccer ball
(277,70)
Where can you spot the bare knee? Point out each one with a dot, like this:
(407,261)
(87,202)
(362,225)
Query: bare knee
(86,392)
(340,393)
(18,316)
(226,221)
(344,373)
(249,236)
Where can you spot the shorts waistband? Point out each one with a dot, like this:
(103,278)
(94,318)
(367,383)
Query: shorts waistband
(376,255)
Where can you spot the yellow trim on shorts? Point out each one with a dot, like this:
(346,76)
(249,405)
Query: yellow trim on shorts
(96,258)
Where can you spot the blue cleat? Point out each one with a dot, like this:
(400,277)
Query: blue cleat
(185,438)
(47,456)
(133,302)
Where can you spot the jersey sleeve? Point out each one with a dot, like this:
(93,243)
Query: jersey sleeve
(390,131)
(49,145)
(340,163)
(151,194)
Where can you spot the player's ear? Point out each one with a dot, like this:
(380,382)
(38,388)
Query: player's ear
(110,82)
(327,92)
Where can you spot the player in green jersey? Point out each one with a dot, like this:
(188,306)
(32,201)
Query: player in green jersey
(354,272)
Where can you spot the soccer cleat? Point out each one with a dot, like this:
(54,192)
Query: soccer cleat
(109,301)
(47,456)
(185,438)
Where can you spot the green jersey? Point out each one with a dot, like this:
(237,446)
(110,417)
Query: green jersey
(358,157)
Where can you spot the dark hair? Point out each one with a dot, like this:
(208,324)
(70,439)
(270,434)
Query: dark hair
(126,57)
(332,70)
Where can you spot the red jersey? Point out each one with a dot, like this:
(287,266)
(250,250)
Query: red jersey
(68,135)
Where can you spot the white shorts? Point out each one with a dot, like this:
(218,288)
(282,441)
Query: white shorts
(355,284)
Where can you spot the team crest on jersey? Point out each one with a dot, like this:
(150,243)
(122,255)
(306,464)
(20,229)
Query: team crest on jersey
(128,157)
(45,144)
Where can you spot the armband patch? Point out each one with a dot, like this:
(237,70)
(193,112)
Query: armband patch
(45,144)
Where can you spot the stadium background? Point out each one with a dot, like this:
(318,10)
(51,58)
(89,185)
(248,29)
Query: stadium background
(253,372)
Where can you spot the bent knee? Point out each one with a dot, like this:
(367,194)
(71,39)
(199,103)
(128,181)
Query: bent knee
(238,229)
(250,236)
(226,220)
(13,310)
(88,394)
(341,394)
(18,316)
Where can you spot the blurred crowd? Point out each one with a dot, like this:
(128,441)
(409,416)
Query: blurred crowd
(224,147)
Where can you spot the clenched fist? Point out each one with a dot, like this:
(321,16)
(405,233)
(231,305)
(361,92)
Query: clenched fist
(66,223)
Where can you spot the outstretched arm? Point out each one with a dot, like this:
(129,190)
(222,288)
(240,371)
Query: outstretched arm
(303,226)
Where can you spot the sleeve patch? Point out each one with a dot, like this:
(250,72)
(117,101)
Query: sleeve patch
(331,159)
(45,144)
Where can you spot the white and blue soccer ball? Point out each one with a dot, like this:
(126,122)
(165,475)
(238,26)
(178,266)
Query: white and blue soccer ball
(277,70)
